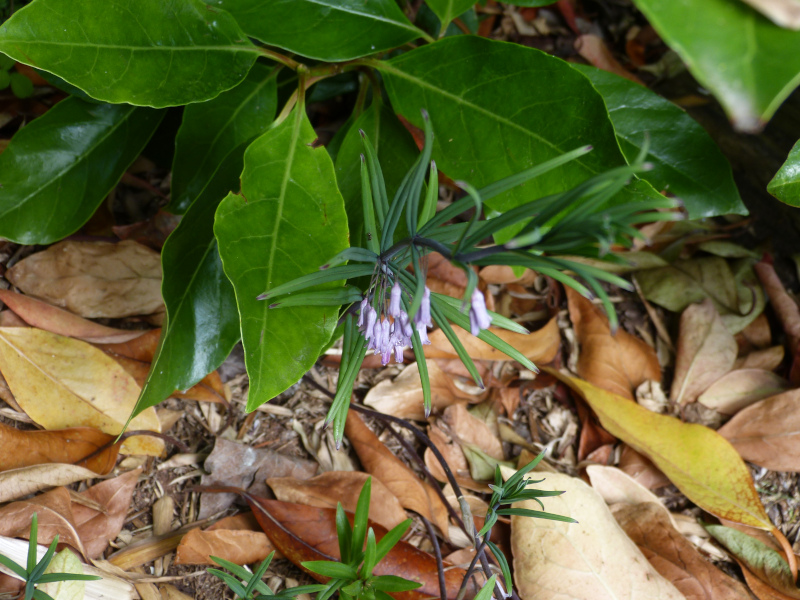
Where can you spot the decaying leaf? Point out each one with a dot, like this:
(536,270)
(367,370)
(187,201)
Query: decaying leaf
(589,560)
(62,382)
(706,352)
(17,483)
(93,279)
(617,487)
(238,546)
(738,389)
(768,359)
(68,446)
(394,474)
(330,488)
(65,562)
(673,556)
(767,433)
(618,363)
(455,458)
(641,469)
(403,398)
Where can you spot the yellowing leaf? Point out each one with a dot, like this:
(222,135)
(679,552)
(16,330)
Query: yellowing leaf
(62,382)
(699,461)
(65,562)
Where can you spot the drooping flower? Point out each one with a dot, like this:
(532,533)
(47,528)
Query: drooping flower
(394,301)
(423,315)
(478,316)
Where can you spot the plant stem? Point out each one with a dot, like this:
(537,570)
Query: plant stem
(278,57)
(438,553)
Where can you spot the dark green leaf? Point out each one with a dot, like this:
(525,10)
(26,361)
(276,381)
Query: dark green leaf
(447,10)
(685,159)
(393,583)
(212,130)
(487,590)
(21,86)
(151,53)
(330,30)
(391,538)
(526,512)
(360,518)
(18,569)
(785,186)
(57,170)
(289,220)
(331,569)
(746,61)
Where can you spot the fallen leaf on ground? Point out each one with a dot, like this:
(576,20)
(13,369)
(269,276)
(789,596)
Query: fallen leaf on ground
(757,335)
(62,382)
(238,546)
(506,274)
(454,457)
(673,556)
(706,352)
(618,363)
(170,592)
(65,562)
(57,320)
(767,433)
(332,487)
(378,461)
(17,483)
(641,469)
(768,359)
(763,562)
(787,310)
(592,48)
(471,430)
(443,277)
(699,461)
(239,465)
(617,487)
(142,348)
(93,279)
(592,559)
(738,389)
(540,346)
(97,528)
(72,446)
(403,398)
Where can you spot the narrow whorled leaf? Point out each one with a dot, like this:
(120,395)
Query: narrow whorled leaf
(289,220)
(57,170)
(150,53)
(686,161)
(212,130)
(785,186)
(342,29)
(750,85)
(338,297)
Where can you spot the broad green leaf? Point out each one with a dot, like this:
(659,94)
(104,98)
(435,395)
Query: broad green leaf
(686,161)
(785,186)
(490,122)
(396,152)
(699,461)
(212,130)
(148,53)
(202,323)
(288,221)
(330,30)
(57,170)
(447,10)
(749,63)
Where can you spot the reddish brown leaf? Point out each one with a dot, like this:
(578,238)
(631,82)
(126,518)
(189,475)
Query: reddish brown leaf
(594,49)
(26,448)
(142,348)
(641,469)
(618,363)
(238,546)
(787,310)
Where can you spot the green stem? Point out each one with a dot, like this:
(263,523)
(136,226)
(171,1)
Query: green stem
(278,57)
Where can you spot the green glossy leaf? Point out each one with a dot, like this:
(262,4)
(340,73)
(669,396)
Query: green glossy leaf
(330,30)
(288,221)
(202,323)
(57,170)
(685,159)
(785,186)
(447,10)
(396,153)
(490,122)
(750,64)
(212,130)
(149,53)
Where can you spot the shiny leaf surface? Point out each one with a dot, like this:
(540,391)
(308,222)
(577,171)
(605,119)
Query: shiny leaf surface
(785,186)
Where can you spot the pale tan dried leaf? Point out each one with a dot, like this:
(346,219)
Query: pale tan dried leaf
(28,480)
(62,382)
(505,274)
(163,510)
(785,13)
(170,592)
(768,359)
(617,487)
(330,488)
(238,546)
(469,429)
(706,352)
(93,279)
(454,457)
(403,397)
(738,389)
(783,304)
(589,560)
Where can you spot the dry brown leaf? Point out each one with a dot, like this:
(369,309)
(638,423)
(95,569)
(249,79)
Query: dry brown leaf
(330,488)
(539,346)
(673,556)
(589,560)
(57,320)
(471,430)
(594,50)
(238,546)
(617,487)
(787,310)
(142,348)
(767,433)
(55,517)
(245,521)
(768,359)
(170,592)
(403,398)
(618,363)
(378,461)
(641,469)
(17,483)
(706,352)
(93,279)
(506,274)
(455,459)
(761,590)
(97,528)
(444,277)
(757,334)
(738,389)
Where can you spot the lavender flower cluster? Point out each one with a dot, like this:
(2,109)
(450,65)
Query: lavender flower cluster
(392,330)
